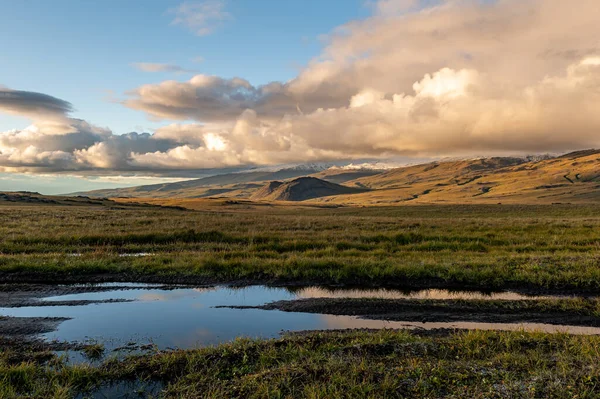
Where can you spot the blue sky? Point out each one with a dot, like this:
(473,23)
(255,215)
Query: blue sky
(82,51)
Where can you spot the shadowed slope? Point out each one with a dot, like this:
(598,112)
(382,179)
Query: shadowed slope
(230,185)
(303,188)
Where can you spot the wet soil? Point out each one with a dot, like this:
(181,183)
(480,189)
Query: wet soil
(432,311)
(20,295)
(51,279)
(17,350)
(28,326)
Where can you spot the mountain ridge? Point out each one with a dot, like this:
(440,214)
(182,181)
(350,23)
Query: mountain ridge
(571,177)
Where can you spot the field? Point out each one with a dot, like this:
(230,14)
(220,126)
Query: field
(359,364)
(535,249)
(478,246)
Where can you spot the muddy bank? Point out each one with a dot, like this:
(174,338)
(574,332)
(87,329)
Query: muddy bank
(21,295)
(23,327)
(51,279)
(17,350)
(574,312)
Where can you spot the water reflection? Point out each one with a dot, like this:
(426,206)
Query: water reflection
(187,317)
(344,322)
(318,292)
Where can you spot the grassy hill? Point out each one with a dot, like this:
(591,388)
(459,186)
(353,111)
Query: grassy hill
(301,189)
(571,178)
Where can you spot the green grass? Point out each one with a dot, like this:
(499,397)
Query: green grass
(358,364)
(475,246)
(93,351)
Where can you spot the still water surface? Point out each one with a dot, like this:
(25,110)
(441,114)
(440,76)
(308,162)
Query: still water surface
(186,317)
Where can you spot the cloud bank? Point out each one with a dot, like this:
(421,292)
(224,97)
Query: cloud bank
(455,78)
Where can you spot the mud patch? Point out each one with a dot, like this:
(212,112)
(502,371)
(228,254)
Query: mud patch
(554,312)
(20,295)
(28,326)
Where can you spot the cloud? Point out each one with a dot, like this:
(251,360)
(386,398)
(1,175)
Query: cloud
(395,7)
(156,67)
(214,99)
(84,147)
(457,78)
(30,103)
(419,78)
(201,17)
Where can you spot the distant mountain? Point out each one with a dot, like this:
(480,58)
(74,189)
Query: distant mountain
(201,187)
(573,177)
(239,185)
(301,189)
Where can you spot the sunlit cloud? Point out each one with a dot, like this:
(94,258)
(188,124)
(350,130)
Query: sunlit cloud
(416,79)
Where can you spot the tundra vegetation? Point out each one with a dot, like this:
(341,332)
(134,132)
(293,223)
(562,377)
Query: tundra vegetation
(534,248)
(351,364)
(553,247)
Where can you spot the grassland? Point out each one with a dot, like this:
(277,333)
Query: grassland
(545,248)
(358,364)
(471,246)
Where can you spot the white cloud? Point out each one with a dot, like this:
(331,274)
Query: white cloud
(459,78)
(418,77)
(201,17)
(157,67)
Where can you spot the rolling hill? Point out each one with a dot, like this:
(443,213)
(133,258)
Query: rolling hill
(573,178)
(28,198)
(570,178)
(302,189)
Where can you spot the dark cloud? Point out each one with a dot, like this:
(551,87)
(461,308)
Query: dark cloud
(214,99)
(32,103)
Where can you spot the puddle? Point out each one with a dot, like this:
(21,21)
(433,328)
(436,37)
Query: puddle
(183,317)
(120,285)
(125,390)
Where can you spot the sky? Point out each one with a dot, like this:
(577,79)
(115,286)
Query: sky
(112,93)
